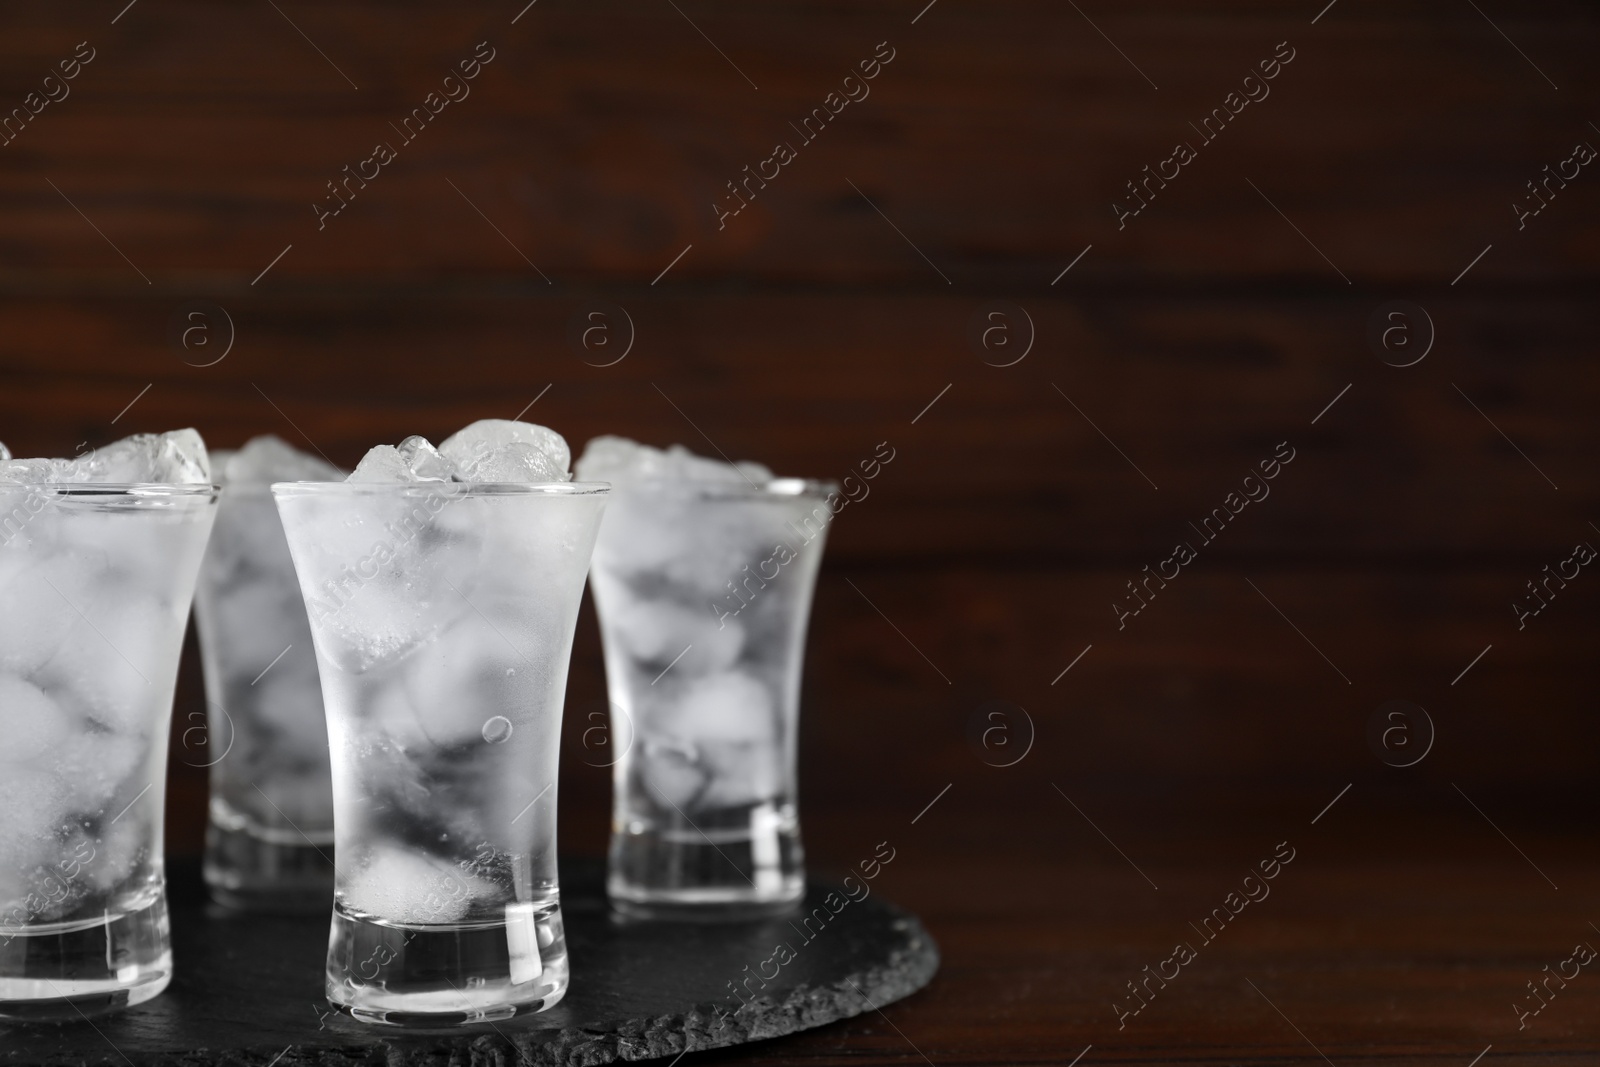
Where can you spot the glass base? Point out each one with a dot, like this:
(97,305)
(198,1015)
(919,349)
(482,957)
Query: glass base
(632,903)
(246,872)
(447,974)
(736,863)
(72,970)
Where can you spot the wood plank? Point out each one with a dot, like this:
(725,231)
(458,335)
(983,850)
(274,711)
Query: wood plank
(1056,458)
(997,139)
(1389,939)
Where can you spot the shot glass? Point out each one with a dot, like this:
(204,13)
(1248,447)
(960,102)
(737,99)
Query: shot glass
(95,587)
(269,842)
(703,593)
(442,615)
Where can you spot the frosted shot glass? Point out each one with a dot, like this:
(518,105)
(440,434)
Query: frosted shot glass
(704,592)
(269,839)
(95,586)
(442,614)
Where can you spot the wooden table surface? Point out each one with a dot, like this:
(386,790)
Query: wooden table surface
(1404,931)
(1157,738)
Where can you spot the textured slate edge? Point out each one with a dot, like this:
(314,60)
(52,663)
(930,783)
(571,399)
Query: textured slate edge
(907,969)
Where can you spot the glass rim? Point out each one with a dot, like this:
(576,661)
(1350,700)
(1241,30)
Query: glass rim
(772,489)
(247,488)
(287,489)
(143,490)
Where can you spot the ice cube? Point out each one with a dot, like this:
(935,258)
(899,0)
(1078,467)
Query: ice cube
(424,461)
(5,453)
(740,774)
(41,610)
(302,796)
(668,774)
(15,881)
(658,632)
(609,458)
(34,807)
(729,708)
(377,624)
(712,549)
(119,544)
(478,668)
(120,846)
(731,721)
(515,463)
(34,471)
(175,457)
(268,459)
(689,519)
(34,814)
(382,463)
(407,886)
(501,450)
(103,668)
(31,723)
(657,540)
(288,699)
(384,574)
(375,613)
(257,619)
(14,558)
(94,768)
(413,460)
(727,723)
(393,728)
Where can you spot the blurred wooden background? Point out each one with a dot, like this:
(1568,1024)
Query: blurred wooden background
(836,312)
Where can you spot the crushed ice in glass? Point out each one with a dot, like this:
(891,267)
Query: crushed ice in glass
(262,674)
(89,611)
(490,450)
(706,706)
(178,457)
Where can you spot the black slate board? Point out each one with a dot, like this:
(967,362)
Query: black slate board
(247,990)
